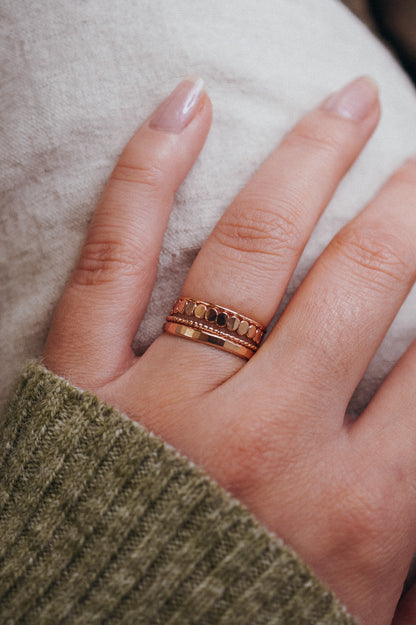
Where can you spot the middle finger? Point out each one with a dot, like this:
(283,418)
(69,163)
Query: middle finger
(246,263)
(340,314)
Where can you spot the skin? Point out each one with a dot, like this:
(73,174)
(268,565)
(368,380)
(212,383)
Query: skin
(271,430)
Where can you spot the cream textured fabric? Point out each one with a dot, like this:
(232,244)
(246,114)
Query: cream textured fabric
(78,77)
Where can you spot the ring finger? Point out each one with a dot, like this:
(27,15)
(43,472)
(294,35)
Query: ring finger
(246,263)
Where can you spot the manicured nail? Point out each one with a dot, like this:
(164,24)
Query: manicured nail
(355,101)
(179,108)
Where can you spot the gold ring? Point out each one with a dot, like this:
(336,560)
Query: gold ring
(215,325)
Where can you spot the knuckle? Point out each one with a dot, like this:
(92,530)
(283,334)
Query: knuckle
(105,262)
(360,518)
(257,455)
(259,230)
(149,175)
(373,252)
(317,137)
(367,521)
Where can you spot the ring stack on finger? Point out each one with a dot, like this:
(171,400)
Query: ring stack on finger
(215,325)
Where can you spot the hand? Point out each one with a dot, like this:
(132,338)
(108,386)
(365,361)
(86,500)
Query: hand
(271,430)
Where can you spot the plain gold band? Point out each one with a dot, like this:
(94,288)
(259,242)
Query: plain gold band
(203,336)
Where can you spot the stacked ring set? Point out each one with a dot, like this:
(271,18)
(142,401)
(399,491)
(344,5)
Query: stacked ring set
(214,325)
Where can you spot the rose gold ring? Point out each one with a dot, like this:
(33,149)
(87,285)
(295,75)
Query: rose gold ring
(215,325)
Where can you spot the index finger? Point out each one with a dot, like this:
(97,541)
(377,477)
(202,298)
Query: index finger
(107,295)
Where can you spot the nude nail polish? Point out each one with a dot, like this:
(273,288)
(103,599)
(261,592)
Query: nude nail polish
(179,108)
(355,101)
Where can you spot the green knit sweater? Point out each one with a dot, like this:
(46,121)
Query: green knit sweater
(100,522)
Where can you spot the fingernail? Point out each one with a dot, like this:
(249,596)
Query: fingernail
(179,108)
(355,101)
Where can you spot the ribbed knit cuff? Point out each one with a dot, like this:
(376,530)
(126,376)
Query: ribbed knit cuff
(100,522)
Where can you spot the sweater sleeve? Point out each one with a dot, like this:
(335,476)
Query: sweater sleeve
(101,522)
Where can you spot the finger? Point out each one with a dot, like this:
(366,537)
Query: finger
(387,427)
(108,292)
(247,261)
(340,314)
